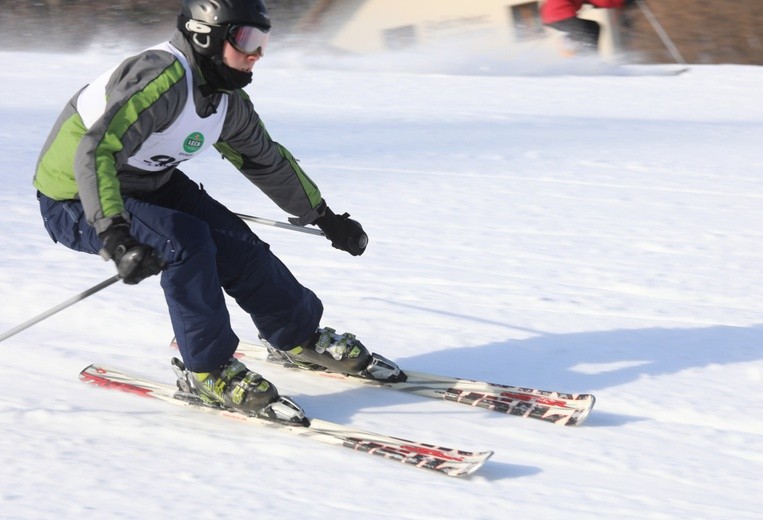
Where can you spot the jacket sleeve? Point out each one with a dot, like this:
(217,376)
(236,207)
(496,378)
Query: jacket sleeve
(271,167)
(143,95)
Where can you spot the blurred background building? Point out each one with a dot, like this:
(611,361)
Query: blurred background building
(704,31)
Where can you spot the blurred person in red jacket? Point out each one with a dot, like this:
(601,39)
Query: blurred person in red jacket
(562,15)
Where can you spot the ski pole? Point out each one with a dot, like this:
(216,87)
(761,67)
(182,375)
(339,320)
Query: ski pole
(61,306)
(660,32)
(283,225)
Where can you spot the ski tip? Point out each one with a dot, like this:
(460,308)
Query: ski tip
(484,456)
(478,459)
(579,417)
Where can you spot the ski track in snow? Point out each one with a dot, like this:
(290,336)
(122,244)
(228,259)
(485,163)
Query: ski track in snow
(586,233)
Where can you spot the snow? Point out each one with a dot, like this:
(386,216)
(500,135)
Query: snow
(594,232)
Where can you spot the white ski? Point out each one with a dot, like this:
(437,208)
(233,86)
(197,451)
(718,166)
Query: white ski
(546,405)
(448,461)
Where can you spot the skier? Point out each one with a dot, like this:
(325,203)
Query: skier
(108,182)
(562,15)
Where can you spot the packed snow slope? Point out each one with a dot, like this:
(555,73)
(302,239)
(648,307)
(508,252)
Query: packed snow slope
(584,229)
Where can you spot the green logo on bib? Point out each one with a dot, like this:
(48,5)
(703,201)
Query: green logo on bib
(193,142)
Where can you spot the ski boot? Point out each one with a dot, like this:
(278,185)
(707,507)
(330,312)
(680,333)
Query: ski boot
(234,387)
(327,350)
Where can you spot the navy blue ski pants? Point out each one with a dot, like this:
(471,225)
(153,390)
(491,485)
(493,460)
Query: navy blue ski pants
(207,249)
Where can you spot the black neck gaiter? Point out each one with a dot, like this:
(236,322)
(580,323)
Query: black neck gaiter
(219,76)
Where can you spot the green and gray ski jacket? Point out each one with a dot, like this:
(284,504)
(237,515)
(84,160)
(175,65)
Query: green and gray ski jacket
(90,154)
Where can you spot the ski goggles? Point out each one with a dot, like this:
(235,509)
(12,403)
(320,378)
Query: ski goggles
(248,39)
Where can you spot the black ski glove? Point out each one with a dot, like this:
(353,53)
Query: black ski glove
(345,234)
(135,261)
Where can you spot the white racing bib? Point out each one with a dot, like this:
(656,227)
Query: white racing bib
(185,138)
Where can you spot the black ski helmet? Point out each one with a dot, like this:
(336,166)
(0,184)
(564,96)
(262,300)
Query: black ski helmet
(206,22)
